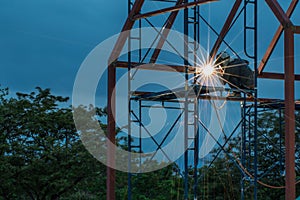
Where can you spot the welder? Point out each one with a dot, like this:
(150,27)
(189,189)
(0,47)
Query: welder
(235,72)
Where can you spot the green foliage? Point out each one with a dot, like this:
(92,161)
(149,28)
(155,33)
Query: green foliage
(41,154)
(42,157)
(222,180)
(157,185)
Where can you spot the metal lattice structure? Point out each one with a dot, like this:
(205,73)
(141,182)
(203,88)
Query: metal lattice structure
(169,100)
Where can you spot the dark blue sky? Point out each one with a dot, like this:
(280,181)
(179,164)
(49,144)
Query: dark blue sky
(44,42)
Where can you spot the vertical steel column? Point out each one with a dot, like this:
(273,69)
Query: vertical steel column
(280,138)
(111,133)
(140,131)
(289,78)
(276,37)
(196,146)
(196,33)
(186,103)
(196,30)
(255,98)
(252,138)
(111,104)
(243,148)
(193,21)
(289,94)
(129,178)
(129,195)
(129,94)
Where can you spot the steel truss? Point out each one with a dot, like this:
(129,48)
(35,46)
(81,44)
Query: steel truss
(191,20)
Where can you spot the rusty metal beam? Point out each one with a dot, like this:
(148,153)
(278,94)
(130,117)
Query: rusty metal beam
(111,133)
(154,66)
(181,69)
(111,104)
(225,28)
(279,76)
(136,8)
(275,39)
(296,29)
(279,13)
(165,33)
(289,115)
(171,9)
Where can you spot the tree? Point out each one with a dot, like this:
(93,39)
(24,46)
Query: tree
(41,153)
(42,156)
(222,180)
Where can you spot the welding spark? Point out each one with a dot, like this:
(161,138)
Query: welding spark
(208,74)
(208,70)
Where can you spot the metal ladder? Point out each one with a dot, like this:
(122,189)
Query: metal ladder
(249,129)
(191,30)
(132,116)
(247,141)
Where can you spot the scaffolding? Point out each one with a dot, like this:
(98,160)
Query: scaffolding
(185,101)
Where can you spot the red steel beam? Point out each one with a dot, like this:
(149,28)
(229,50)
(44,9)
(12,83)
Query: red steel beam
(271,75)
(275,38)
(289,115)
(157,67)
(111,133)
(165,33)
(181,69)
(279,13)
(111,104)
(296,29)
(136,8)
(171,9)
(225,28)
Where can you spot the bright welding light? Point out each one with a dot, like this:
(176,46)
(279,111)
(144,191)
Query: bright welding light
(208,70)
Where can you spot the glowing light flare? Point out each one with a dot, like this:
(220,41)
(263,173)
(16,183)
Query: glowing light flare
(208,70)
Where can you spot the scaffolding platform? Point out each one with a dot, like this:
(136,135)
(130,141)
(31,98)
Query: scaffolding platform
(205,92)
(194,91)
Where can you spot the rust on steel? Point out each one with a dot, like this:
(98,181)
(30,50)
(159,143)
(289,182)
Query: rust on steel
(225,28)
(296,29)
(155,66)
(111,132)
(165,33)
(136,8)
(171,9)
(289,115)
(279,76)
(275,39)
(279,13)
(111,104)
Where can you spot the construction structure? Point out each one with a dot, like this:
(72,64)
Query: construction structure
(186,101)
